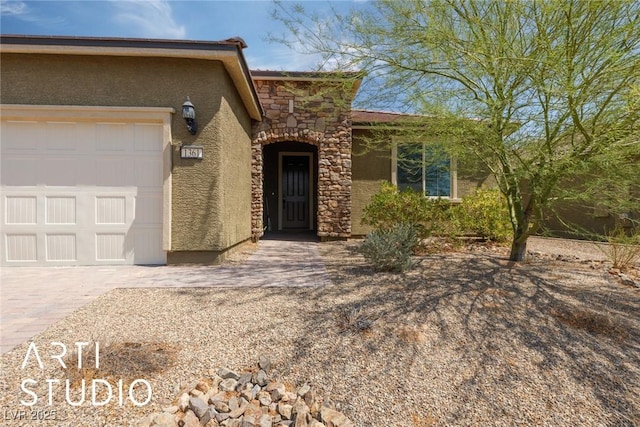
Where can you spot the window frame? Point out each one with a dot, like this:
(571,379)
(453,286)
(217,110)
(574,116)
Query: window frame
(453,172)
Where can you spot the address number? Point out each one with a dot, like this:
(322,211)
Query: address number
(191,152)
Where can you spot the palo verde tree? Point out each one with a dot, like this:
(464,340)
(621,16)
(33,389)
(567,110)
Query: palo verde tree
(536,91)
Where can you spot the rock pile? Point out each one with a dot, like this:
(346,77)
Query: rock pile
(247,399)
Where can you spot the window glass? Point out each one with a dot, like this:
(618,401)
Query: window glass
(438,178)
(423,169)
(410,167)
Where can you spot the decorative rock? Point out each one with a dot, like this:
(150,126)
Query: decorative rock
(210,393)
(228,384)
(197,393)
(333,418)
(264,421)
(232,402)
(190,420)
(202,386)
(253,411)
(302,390)
(215,380)
(289,396)
(244,379)
(247,393)
(225,373)
(300,409)
(264,398)
(211,417)
(255,390)
(277,390)
(261,378)
(312,401)
(220,406)
(146,421)
(183,402)
(199,407)
(264,363)
(222,417)
(165,420)
(236,413)
(285,410)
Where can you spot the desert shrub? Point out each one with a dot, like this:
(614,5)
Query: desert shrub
(622,248)
(485,213)
(390,207)
(355,321)
(390,249)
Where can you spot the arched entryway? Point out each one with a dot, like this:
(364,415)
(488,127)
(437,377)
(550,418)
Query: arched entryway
(304,137)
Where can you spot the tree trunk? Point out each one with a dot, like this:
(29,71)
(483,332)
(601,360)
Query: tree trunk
(518,250)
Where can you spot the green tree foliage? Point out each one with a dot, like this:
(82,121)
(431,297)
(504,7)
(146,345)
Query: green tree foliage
(541,93)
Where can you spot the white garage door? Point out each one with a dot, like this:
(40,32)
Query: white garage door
(81,192)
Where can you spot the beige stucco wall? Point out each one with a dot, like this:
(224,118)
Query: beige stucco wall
(369,170)
(211,198)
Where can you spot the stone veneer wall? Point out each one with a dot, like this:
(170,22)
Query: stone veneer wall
(322,117)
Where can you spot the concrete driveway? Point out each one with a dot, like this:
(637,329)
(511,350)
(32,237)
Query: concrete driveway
(34,298)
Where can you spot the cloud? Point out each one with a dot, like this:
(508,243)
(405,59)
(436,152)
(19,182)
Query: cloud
(148,18)
(21,10)
(13,8)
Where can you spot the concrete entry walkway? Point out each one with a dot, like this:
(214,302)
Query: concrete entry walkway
(34,298)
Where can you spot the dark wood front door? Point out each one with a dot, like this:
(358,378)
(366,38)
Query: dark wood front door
(295,192)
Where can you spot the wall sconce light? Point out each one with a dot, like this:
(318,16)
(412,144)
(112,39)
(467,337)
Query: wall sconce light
(189,116)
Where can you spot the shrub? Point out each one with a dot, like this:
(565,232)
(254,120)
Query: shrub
(485,214)
(390,249)
(390,207)
(622,248)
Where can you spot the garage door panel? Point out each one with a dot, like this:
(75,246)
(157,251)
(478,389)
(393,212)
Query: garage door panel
(111,210)
(21,247)
(61,247)
(81,193)
(21,210)
(60,210)
(111,247)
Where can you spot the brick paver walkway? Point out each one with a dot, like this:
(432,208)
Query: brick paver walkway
(34,298)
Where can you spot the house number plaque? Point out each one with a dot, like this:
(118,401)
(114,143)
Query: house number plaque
(191,152)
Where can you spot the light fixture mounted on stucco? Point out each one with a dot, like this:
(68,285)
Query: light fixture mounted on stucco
(189,116)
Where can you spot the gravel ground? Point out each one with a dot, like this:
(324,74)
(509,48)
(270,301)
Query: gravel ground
(464,338)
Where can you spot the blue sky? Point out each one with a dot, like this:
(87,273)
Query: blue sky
(167,19)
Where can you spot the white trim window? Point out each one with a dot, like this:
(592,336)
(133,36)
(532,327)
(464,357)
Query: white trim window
(422,168)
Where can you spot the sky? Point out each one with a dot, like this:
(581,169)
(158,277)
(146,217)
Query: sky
(168,19)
